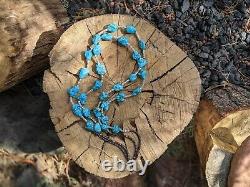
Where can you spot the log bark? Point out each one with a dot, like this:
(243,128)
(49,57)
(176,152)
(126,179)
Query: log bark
(222,124)
(165,106)
(29,29)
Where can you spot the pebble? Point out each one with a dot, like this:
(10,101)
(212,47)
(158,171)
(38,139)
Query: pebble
(185,5)
(203,55)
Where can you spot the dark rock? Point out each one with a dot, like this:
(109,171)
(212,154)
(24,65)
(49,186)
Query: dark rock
(248,39)
(243,36)
(223,40)
(168,10)
(185,5)
(203,55)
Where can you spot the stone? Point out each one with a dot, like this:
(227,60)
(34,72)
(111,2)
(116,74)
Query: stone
(203,55)
(185,6)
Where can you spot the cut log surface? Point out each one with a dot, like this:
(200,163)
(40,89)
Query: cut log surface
(222,124)
(29,30)
(165,106)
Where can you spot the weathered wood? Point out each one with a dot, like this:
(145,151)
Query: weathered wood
(166,105)
(29,30)
(222,124)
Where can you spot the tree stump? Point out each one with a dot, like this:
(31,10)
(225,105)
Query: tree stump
(222,124)
(165,106)
(29,30)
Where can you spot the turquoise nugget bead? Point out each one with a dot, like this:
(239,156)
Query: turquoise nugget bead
(86,112)
(96,39)
(104,120)
(100,69)
(83,72)
(123,41)
(82,98)
(77,110)
(141,62)
(104,127)
(135,55)
(103,96)
(132,77)
(143,74)
(89,126)
(105,105)
(120,97)
(88,55)
(98,128)
(116,129)
(97,50)
(112,27)
(142,44)
(97,112)
(136,91)
(97,85)
(73,91)
(118,87)
(106,36)
(130,29)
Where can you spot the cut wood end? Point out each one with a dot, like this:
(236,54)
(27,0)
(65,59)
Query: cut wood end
(165,106)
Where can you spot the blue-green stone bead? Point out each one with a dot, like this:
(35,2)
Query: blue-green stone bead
(136,91)
(103,96)
(82,98)
(104,120)
(130,29)
(100,69)
(118,87)
(120,97)
(143,74)
(96,39)
(97,128)
(88,55)
(73,91)
(116,129)
(123,41)
(83,72)
(135,55)
(77,110)
(141,62)
(142,44)
(132,77)
(112,27)
(97,85)
(97,112)
(106,36)
(86,112)
(97,50)
(105,105)
(104,127)
(89,126)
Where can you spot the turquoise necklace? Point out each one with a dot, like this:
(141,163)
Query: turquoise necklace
(96,121)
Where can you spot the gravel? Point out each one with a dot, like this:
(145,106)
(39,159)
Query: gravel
(212,32)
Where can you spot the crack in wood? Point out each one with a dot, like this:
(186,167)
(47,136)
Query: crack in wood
(56,77)
(151,35)
(70,125)
(84,149)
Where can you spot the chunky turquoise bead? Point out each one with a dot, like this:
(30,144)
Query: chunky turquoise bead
(130,29)
(135,55)
(104,127)
(83,72)
(106,36)
(120,97)
(89,126)
(105,105)
(118,87)
(136,91)
(97,50)
(104,96)
(141,62)
(123,41)
(132,77)
(100,69)
(143,74)
(88,55)
(96,39)
(97,128)
(77,110)
(97,112)
(116,129)
(83,98)
(142,44)
(112,27)
(86,112)
(97,85)
(73,91)
(104,120)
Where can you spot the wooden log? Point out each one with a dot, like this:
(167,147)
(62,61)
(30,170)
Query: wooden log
(29,29)
(165,106)
(222,124)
